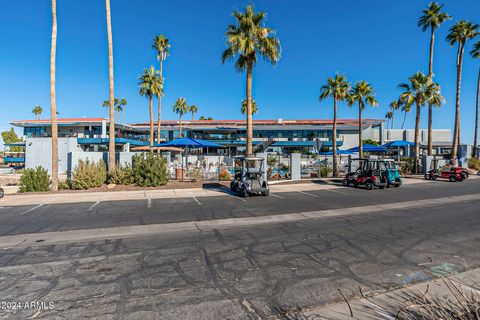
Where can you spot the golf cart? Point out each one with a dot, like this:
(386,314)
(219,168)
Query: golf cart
(453,174)
(2,192)
(392,174)
(368,174)
(249,177)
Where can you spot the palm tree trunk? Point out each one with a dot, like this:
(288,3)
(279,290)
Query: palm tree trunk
(111,130)
(360,131)
(159,119)
(475,138)
(430,107)
(53,102)
(456,132)
(417,138)
(393,114)
(249,150)
(180,125)
(404,118)
(336,172)
(150,110)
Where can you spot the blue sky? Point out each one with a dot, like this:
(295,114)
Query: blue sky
(374,40)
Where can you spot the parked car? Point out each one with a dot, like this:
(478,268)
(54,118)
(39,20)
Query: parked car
(452,174)
(249,177)
(370,174)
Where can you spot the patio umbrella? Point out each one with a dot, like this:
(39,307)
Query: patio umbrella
(339,152)
(369,148)
(189,143)
(398,144)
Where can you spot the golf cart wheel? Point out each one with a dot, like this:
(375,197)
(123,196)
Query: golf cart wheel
(244,193)
(369,185)
(266,193)
(427,177)
(346,183)
(2,193)
(452,179)
(232,186)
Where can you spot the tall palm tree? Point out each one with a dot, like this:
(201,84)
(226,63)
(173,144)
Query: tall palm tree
(415,92)
(459,33)
(394,106)
(249,38)
(389,117)
(431,19)
(193,109)
(37,111)
(362,93)
(111,126)
(254,106)
(476,55)
(405,109)
(180,107)
(336,88)
(53,102)
(162,46)
(150,85)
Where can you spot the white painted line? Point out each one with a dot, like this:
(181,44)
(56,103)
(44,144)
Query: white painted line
(31,209)
(93,206)
(149,202)
(308,194)
(277,196)
(197,201)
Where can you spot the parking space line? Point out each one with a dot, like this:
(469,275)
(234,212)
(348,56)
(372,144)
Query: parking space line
(31,209)
(277,196)
(149,202)
(308,194)
(197,201)
(93,206)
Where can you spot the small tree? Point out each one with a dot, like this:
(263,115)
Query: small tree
(34,180)
(149,171)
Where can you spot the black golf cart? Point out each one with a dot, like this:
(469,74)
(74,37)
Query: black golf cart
(369,173)
(249,177)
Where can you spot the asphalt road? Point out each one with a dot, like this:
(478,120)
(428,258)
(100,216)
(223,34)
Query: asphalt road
(235,273)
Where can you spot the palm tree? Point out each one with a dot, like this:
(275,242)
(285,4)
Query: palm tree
(193,109)
(244,106)
(119,105)
(389,117)
(405,109)
(459,33)
(394,106)
(53,102)
(336,88)
(431,19)
(37,111)
(162,46)
(476,55)
(249,38)
(202,118)
(150,85)
(415,93)
(180,107)
(111,126)
(362,93)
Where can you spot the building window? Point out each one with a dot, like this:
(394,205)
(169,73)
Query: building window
(34,132)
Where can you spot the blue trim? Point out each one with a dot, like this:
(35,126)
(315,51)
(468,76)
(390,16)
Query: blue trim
(14,160)
(105,141)
(304,144)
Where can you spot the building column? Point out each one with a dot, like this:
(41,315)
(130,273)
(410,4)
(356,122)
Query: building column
(104,128)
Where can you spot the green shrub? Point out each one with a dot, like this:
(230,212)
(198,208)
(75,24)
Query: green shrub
(63,185)
(34,180)
(406,165)
(121,175)
(149,171)
(474,164)
(88,175)
(324,171)
(224,175)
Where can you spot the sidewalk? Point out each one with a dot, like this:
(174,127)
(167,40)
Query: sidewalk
(386,305)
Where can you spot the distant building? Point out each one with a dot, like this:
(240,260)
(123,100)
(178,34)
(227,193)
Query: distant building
(77,135)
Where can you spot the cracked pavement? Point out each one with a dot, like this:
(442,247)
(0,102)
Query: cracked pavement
(236,273)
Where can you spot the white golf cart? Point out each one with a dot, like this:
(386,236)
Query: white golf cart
(249,177)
